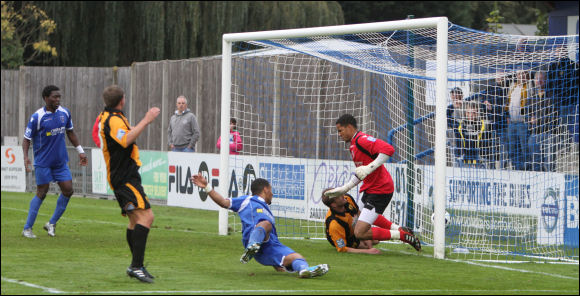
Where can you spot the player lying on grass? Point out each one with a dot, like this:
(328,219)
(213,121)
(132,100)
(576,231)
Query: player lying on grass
(258,229)
(340,222)
(369,154)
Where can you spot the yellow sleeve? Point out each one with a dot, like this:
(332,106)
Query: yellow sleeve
(338,236)
(119,130)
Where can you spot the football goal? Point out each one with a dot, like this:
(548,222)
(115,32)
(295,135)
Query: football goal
(484,126)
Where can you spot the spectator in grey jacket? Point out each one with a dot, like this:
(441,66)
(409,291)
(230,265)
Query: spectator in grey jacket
(183,129)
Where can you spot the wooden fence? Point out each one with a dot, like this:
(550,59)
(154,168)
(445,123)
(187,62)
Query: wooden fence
(147,84)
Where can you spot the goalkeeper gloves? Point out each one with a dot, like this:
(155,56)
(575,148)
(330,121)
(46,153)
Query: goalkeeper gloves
(340,191)
(363,171)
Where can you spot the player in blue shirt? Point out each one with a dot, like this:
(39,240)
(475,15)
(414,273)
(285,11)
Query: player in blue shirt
(46,129)
(258,229)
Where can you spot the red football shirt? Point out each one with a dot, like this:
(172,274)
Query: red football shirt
(364,149)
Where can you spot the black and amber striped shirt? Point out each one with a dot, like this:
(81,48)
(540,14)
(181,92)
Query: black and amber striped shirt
(340,226)
(121,158)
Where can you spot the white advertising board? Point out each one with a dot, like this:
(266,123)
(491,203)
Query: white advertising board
(13,171)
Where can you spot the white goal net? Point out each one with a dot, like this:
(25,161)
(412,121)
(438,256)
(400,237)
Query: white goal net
(511,166)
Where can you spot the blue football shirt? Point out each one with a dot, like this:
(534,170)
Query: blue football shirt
(47,132)
(252,210)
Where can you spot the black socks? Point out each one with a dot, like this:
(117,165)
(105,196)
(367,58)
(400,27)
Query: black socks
(138,243)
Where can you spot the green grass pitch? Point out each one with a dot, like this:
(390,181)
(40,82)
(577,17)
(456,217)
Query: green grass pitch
(89,255)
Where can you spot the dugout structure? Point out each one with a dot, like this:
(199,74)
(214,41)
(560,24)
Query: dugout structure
(509,194)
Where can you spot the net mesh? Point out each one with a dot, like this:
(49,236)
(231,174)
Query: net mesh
(512,148)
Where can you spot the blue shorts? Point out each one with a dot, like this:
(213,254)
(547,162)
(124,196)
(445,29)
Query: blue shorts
(56,174)
(272,252)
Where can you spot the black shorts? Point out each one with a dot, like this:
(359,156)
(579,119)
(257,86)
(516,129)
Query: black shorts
(131,196)
(378,202)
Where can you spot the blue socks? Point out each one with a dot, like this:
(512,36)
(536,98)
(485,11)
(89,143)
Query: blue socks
(61,204)
(35,204)
(257,235)
(299,264)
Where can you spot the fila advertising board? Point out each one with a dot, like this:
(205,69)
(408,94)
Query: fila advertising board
(544,201)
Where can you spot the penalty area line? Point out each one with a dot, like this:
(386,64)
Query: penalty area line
(490,266)
(229,292)
(45,289)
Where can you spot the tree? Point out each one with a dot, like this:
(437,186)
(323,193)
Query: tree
(25,32)
(471,14)
(109,33)
(494,20)
(542,23)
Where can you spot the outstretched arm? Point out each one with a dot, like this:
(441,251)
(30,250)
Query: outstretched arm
(364,170)
(372,251)
(147,119)
(340,191)
(201,182)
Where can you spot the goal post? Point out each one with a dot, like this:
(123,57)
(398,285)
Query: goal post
(440,23)
(484,126)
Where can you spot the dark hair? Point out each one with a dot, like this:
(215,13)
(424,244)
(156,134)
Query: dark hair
(325,199)
(48,90)
(112,95)
(258,186)
(346,119)
(233,120)
(456,90)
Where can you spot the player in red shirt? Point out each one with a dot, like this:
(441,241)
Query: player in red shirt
(369,154)
(96,138)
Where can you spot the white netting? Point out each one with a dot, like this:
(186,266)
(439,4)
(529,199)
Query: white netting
(512,159)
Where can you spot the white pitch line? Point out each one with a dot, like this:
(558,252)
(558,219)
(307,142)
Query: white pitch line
(45,289)
(444,291)
(491,266)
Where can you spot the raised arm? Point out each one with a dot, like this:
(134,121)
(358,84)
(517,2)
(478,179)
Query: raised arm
(138,129)
(201,182)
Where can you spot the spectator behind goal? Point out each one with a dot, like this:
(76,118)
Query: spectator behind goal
(183,130)
(236,144)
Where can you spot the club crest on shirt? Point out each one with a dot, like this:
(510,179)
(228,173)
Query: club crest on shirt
(62,119)
(120,134)
(340,243)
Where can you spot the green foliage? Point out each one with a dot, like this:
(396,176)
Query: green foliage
(109,33)
(119,33)
(471,14)
(458,12)
(25,33)
(494,21)
(89,255)
(542,23)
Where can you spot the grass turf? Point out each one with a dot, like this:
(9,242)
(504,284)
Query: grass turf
(89,255)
